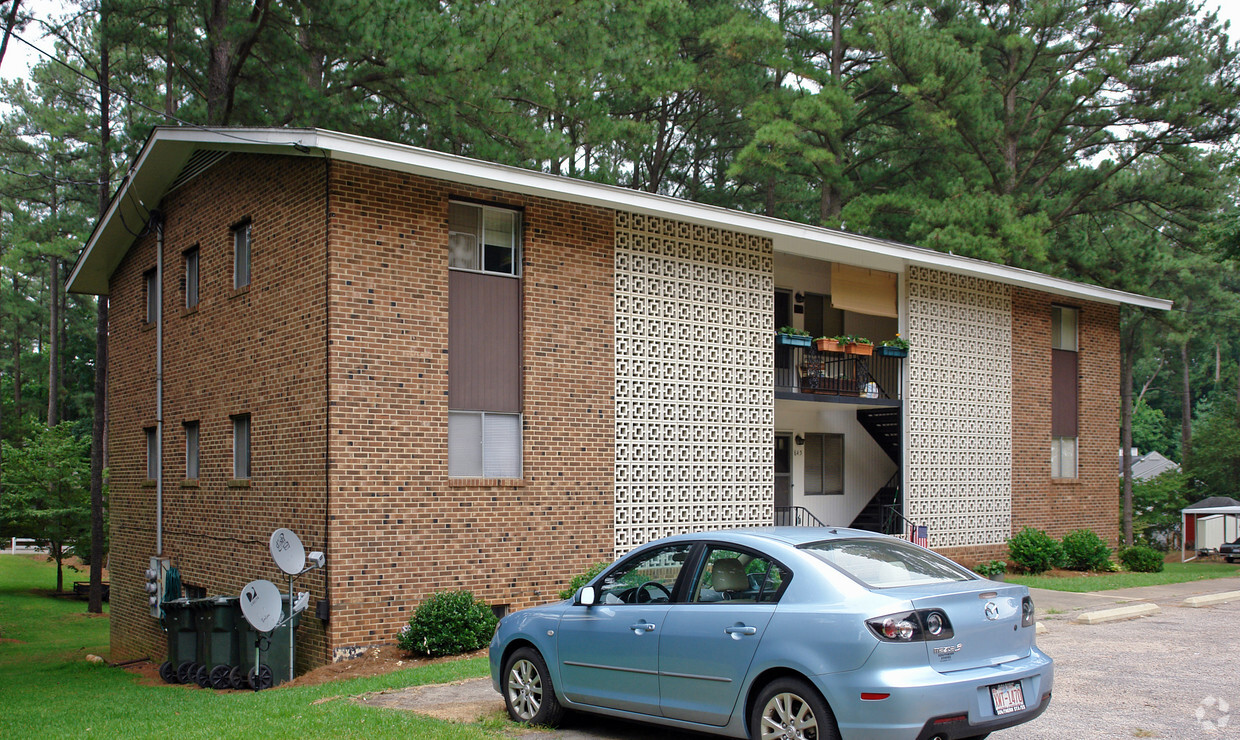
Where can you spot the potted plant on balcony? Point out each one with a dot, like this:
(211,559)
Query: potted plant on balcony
(856,345)
(828,344)
(897,347)
(790,336)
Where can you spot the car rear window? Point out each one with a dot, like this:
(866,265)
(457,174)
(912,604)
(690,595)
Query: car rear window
(887,563)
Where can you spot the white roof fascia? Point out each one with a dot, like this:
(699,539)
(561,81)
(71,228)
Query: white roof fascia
(789,237)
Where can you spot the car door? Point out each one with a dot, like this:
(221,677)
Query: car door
(609,652)
(709,640)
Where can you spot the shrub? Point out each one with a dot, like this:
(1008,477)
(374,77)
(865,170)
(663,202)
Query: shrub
(1085,550)
(448,623)
(1035,551)
(582,579)
(1142,559)
(990,568)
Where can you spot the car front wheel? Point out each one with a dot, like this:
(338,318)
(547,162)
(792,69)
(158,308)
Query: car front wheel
(790,708)
(528,692)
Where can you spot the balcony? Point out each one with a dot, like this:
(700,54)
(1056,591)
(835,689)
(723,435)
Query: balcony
(807,374)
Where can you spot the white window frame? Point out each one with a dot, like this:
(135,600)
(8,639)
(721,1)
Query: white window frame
(243,465)
(192,258)
(1065,457)
(150,282)
(152,452)
(486,461)
(193,460)
(242,253)
(1065,334)
(480,239)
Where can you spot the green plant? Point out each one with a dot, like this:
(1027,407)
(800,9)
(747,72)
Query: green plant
(1085,550)
(448,623)
(854,339)
(990,568)
(899,342)
(1141,559)
(582,579)
(793,331)
(1035,551)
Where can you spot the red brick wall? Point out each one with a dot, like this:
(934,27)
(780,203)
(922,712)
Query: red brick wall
(1090,501)
(401,529)
(259,350)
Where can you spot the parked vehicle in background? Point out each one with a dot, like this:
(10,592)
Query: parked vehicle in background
(1230,550)
(807,633)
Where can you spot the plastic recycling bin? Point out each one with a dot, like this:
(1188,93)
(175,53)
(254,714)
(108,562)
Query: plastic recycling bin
(182,635)
(272,666)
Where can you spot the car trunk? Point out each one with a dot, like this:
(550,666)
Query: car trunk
(985,620)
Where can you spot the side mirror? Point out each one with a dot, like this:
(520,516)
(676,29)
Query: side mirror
(585,596)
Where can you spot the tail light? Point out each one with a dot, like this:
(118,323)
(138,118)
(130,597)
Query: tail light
(922,625)
(1026,612)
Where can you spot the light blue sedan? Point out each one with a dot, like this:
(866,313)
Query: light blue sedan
(789,633)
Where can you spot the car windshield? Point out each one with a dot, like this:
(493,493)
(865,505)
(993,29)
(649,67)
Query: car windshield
(887,563)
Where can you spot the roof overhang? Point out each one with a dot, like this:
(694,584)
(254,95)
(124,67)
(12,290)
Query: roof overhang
(168,149)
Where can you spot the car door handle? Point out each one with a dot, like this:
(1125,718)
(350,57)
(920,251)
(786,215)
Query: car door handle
(741,630)
(641,627)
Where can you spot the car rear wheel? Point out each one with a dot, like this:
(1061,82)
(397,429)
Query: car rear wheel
(790,708)
(528,692)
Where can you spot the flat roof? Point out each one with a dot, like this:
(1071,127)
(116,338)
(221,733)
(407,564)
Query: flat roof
(168,150)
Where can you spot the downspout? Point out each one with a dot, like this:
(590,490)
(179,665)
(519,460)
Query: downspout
(157,219)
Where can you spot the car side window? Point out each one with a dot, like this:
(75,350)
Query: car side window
(647,579)
(735,576)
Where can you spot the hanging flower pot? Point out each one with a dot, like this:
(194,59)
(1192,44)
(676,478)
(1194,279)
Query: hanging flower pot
(827,344)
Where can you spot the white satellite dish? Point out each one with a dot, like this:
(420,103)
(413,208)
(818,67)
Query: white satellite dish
(260,605)
(287,551)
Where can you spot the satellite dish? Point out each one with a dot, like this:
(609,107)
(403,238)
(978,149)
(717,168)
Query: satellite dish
(287,551)
(260,605)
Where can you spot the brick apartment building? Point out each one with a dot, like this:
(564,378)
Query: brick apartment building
(450,374)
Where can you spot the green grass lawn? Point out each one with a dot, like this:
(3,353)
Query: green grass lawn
(1171,573)
(47,690)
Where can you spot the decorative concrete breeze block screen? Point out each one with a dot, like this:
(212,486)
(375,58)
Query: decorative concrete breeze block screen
(695,403)
(959,408)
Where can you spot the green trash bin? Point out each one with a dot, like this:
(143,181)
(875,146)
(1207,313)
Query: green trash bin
(272,652)
(215,618)
(182,634)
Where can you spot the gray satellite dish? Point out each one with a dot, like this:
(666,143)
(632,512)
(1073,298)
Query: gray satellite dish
(260,604)
(287,551)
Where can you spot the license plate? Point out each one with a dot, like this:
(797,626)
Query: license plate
(1008,698)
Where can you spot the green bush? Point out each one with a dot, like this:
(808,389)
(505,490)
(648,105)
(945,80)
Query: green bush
(1141,559)
(990,568)
(582,579)
(1035,551)
(1085,550)
(448,623)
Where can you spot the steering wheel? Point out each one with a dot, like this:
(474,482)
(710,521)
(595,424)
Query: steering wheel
(641,591)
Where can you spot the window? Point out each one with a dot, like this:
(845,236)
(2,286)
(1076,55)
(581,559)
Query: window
(191,277)
(647,578)
(191,450)
(735,576)
(1064,391)
(484,445)
(152,453)
(888,562)
(241,255)
(150,280)
(824,464)
(483,238)
(241,447)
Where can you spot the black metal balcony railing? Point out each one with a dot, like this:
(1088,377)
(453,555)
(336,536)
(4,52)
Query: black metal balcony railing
(806,370)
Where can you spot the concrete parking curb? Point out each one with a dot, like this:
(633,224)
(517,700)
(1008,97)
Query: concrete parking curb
(1130,611)
(1211,599)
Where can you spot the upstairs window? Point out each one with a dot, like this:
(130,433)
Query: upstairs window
(150,281)
(152,453)
(1065,392)
(191,277)
(191,450)
(241,255)
(483,238)
(241,447)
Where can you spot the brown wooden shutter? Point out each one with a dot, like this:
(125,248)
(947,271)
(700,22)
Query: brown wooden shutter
(484,342)
(1063,393)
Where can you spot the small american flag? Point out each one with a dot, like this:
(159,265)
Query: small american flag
(919,535)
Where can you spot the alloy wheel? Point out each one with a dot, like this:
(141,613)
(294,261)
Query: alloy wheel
(525,691)
(788,717)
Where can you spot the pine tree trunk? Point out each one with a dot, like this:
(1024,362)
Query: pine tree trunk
(1186,408)
(1125,433)
(98,430)
(53,348)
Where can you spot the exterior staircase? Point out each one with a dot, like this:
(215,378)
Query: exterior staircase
(883,424)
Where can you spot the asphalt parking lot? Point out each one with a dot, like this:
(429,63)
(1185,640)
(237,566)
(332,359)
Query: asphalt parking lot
(1170,675)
